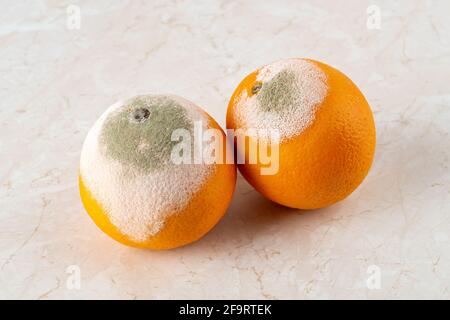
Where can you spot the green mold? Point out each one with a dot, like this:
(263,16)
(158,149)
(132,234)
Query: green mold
(279,93)
(139,133)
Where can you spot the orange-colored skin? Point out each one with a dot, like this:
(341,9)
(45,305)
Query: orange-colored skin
(329,159)
(202,213)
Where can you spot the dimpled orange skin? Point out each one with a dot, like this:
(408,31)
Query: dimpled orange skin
(202,213)
(329,159)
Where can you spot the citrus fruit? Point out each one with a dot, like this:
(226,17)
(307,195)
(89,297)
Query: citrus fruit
(132,188)
(326,131)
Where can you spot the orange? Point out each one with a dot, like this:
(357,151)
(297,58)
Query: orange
(327,131)
(134,190)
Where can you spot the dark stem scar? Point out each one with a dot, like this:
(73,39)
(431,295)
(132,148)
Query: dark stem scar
(256,87)
(140,114)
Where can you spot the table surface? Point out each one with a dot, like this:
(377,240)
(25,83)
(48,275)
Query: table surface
(389,239)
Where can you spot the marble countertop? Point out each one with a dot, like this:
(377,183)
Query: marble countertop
(63,62)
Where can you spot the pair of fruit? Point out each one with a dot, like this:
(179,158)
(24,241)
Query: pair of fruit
(135,193)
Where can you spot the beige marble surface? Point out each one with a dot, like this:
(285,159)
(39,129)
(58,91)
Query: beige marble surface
(55,81)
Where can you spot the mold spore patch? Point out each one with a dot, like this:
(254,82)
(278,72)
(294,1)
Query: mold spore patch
(278,92)
(139,133)
(136,192)
(289,93)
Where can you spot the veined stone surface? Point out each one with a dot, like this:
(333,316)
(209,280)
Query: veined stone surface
(56,81)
